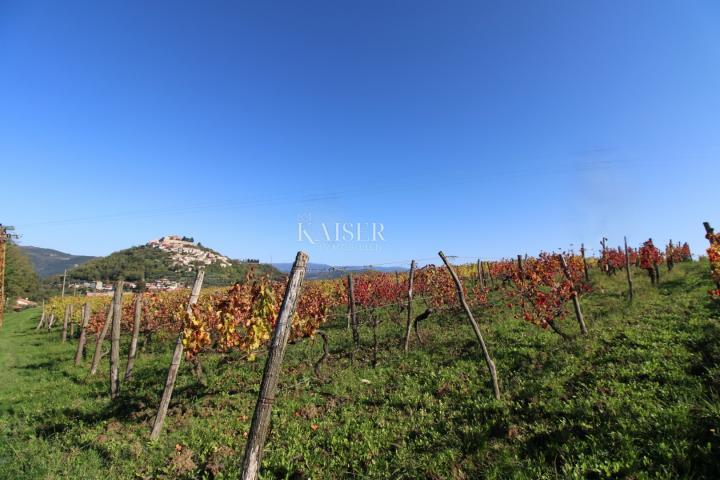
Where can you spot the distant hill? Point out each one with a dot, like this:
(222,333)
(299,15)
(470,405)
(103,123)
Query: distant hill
(323,270)
(172,258)
(48,262)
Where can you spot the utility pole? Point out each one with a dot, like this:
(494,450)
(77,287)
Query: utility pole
(4,237)
(62,295)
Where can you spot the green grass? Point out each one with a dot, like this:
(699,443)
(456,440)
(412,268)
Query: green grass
(637,398)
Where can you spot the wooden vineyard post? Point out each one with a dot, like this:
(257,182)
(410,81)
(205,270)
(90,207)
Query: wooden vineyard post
(520,266)
(175,362)
(473,323)
(83,333)
(651,274)
(353,316)
(374,318)
(408,326)
(66,318)
(627,271)
(657,272)
(99,341)
(51,321)
(585,266)
(115,341)
(397,283)
(604,264)
(480,276)
(42,317)
(132,352)
(261,417)
(575,299)
(490,277)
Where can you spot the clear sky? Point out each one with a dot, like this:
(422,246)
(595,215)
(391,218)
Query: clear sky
(480,128)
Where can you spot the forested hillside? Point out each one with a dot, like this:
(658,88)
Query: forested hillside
(49,262)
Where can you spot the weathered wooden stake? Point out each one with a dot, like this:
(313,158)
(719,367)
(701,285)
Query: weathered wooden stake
(51,321)
(66,318)
(175,362)
(83,333)
(353,316)
(399,299)
(374,318)
(520,266)
(585,265)
(132,353)
(480,276)
(490,277)
(408,326)
(476,328)
(627,271)
(575,299)
(115,341)
(99,338)
(42,318)
(261,417)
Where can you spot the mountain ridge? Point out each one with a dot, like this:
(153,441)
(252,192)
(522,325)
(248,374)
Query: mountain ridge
(324,270)
(48,262)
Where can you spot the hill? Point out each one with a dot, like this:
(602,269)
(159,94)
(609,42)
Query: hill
(323,270)
(172,258)
(48,262)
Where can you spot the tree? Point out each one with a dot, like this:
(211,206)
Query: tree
(21,280)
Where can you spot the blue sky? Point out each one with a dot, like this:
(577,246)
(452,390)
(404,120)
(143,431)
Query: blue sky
(480,128)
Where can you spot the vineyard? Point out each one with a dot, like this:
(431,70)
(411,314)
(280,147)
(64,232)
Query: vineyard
(572,366)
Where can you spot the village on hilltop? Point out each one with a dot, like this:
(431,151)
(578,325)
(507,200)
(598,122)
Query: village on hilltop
(187,253)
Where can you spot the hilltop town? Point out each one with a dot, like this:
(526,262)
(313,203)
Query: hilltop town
(185,252)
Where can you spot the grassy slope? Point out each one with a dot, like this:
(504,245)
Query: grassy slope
(638,399)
